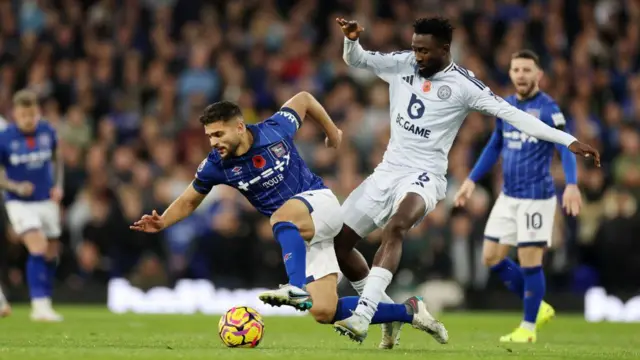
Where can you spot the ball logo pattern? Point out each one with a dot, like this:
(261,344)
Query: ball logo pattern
(241,327)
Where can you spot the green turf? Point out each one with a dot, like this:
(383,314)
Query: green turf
(95,334)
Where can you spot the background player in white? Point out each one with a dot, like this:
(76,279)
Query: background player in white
(524,213)
(262,162)
(430,97)
(33,190)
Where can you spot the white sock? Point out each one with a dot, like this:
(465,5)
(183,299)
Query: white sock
(528,325)
(358,286)
(377,282)
(41,304)
(3,299)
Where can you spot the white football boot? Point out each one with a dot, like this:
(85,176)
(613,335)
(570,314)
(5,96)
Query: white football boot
(423,320)
(287,295)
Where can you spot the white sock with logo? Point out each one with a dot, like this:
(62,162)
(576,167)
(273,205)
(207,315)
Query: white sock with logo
(377,281)
(358,286)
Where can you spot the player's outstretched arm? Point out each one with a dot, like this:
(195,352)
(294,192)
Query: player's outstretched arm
(182,207)
(485,101)
(486,161)
(380,63)
(305,104)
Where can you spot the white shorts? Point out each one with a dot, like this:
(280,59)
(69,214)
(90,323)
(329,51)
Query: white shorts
(372,203)
(32,215)
(326,214)
(521,222)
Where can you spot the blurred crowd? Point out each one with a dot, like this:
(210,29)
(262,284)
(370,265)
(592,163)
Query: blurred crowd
(124,82)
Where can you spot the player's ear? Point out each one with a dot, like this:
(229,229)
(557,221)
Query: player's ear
(241,127)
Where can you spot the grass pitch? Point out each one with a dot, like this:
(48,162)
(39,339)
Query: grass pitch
(96,334)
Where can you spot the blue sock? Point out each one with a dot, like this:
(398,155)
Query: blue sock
(511,276)
(294,252)
(386,313)
(51,275)
(37,276)
(534,287)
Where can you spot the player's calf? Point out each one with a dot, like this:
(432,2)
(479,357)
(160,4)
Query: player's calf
(39,277)
(292,225)
(325,298)
(534,283)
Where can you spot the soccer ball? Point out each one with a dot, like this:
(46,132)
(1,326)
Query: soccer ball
(241,326)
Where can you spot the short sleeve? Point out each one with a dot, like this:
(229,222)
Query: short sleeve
(206,177)
(286,122)
(552,115)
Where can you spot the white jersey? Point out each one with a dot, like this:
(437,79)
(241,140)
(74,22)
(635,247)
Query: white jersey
(426,113)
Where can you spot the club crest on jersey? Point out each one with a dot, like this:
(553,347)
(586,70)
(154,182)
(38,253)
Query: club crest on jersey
(278,150)
(426,86)
(236,170)
(444,92)
(44,140)
(534,112)
(258,162)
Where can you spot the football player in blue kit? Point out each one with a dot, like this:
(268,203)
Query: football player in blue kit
(262,162)
(33,190)
(523,214)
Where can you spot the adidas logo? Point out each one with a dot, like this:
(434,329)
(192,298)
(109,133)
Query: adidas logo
(408,79)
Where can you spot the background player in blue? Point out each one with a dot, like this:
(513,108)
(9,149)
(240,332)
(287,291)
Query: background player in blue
(524,212)
(261,161)
(33,190)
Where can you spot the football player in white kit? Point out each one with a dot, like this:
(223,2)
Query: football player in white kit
(33,190)
(430,97)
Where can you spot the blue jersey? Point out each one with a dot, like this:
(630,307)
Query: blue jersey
(526,161)
(28,157)
(270,173)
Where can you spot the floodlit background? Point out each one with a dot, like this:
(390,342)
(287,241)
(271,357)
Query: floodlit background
(124,82)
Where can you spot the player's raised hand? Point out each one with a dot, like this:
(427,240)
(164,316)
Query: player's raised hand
(350,28)
(149,223)
(334,141)
(464,193)
(585,150)
(572,200)
(23,188)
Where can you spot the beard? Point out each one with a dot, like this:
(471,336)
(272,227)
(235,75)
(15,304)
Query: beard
(527,91)
(430,69)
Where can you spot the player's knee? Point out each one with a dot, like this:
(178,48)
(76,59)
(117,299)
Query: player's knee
(396,228)
(531,256)
(323,314)
(491,259)
(35,242)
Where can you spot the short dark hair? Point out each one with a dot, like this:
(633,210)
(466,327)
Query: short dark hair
(439,27)
(220,111)
(527,54)
(25,98)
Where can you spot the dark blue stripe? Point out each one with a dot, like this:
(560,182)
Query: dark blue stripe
(294,113)
(537,243)
(309,279)
(475,81)
(491,238)
(306,202)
